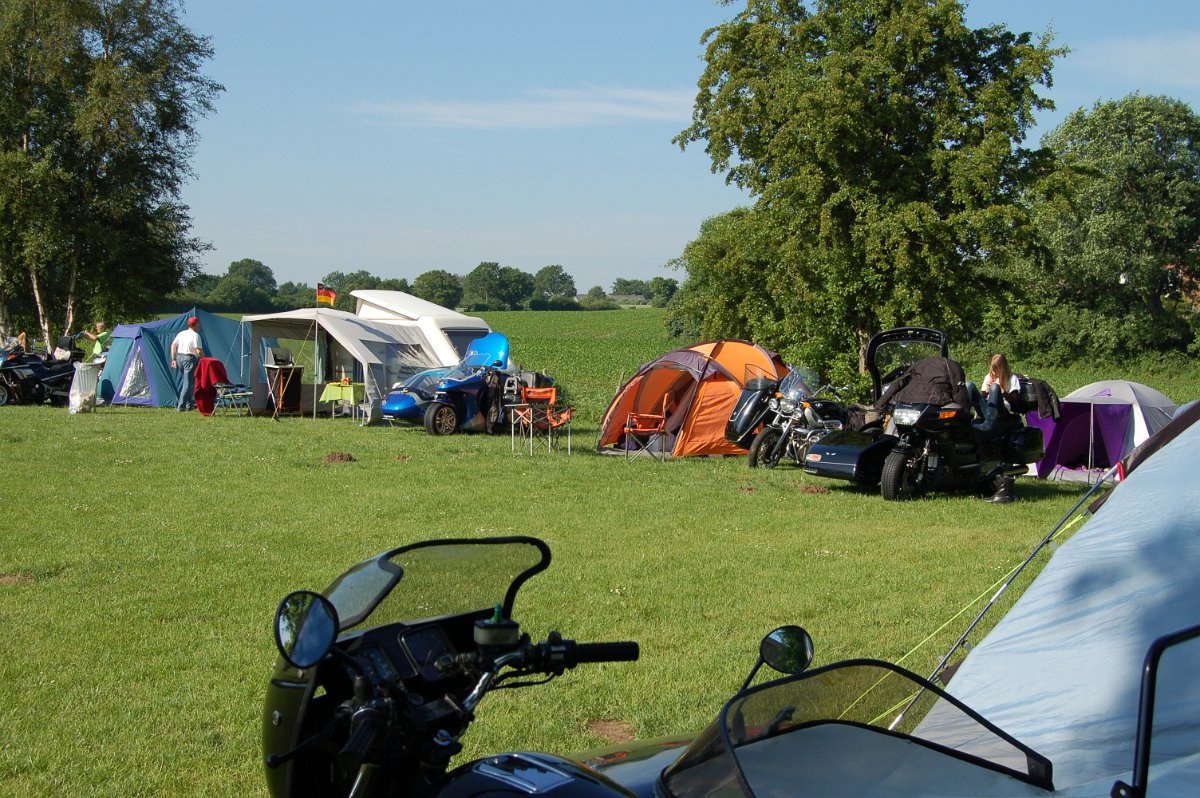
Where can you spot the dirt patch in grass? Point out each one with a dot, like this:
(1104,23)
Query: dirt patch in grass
(15,579)
(613,731)
(747,489)
(816,489)
(400,458)
(339,457)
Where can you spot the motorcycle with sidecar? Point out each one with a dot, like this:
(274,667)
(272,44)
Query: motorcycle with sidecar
(932,438)
(475,395)
(380,676)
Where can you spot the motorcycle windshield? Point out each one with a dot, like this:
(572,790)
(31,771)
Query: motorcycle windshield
(436,579)
(800,382)
(894,357)
(857,728)
(486,351)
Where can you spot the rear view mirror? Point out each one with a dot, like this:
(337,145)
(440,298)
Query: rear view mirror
(306,624)
(788,649)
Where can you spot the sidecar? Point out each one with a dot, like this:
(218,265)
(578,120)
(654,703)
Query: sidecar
(858,456)
(408,400)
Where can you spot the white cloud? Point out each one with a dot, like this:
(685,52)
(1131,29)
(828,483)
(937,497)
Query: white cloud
(543,109)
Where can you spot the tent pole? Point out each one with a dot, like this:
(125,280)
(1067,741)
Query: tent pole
(1091,439)
(316,360)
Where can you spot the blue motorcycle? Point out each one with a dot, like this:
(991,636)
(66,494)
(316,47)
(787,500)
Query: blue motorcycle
(475,395)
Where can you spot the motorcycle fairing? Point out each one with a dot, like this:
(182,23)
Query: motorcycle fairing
(855,729)
(453,581)
(487,351)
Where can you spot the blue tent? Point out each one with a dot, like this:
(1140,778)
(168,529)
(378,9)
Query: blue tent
(138,369)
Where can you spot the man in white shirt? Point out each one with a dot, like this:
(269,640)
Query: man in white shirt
(186,352)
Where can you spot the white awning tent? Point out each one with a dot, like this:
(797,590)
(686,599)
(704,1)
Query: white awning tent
(376,353)
(1061,671)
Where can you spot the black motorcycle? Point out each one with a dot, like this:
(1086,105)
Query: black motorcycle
(751,410)
(931,440)
(941,447)
(379,679)
(27,378)
(798,417)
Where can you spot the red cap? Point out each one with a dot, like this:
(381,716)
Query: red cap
(193,320)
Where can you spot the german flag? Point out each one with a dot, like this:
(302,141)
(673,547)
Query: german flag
(325,296)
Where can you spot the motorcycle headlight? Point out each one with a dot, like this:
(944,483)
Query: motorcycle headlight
(787,406)
(906,416)
(773,404)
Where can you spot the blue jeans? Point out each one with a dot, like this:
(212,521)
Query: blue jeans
(187,370)
(993,408)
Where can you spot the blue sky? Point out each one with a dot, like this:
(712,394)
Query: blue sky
(399,136)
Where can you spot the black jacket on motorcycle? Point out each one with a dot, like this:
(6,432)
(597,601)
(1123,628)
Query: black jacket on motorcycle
(933,380)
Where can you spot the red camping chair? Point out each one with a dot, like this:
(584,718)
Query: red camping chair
(646,433)
(539,418)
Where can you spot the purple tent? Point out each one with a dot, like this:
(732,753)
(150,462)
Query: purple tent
(1099,424)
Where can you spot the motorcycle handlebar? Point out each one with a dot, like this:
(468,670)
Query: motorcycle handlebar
(366,727)
(624,651)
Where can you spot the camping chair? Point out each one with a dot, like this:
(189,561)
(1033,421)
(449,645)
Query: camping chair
(232,397)
(539,418)
(646,433)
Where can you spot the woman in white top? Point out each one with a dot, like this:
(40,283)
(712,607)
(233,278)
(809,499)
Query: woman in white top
(997,385)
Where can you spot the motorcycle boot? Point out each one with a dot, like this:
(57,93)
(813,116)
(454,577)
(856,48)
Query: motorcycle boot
(1003,494)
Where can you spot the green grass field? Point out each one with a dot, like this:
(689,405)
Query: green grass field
(143,554)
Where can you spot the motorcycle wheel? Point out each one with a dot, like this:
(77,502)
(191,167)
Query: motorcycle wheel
(441,419)
(4,394)
(896,482)
(762,447)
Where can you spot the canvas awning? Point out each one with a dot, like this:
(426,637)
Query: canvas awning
(386,352)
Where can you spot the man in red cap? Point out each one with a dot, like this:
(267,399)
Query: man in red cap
(186,351)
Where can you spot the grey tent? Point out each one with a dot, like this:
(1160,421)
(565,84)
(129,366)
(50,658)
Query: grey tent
(375,353)
(1061,671)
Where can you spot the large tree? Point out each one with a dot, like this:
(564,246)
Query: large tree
(439,287)
(553,281)
(881,140)
(248,286)
(1121,226)
(98,103)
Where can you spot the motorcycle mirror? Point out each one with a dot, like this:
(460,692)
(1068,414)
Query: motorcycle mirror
(306,624)
(788,649)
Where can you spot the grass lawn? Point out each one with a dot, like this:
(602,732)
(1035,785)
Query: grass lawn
(143,553)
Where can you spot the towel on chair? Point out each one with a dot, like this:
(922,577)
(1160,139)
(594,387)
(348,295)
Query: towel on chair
(210,372)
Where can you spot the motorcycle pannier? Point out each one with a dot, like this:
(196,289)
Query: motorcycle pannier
(1024,445)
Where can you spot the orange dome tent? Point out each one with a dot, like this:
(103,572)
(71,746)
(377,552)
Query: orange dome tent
(699,385)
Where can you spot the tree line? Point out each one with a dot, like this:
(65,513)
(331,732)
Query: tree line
(249,286)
